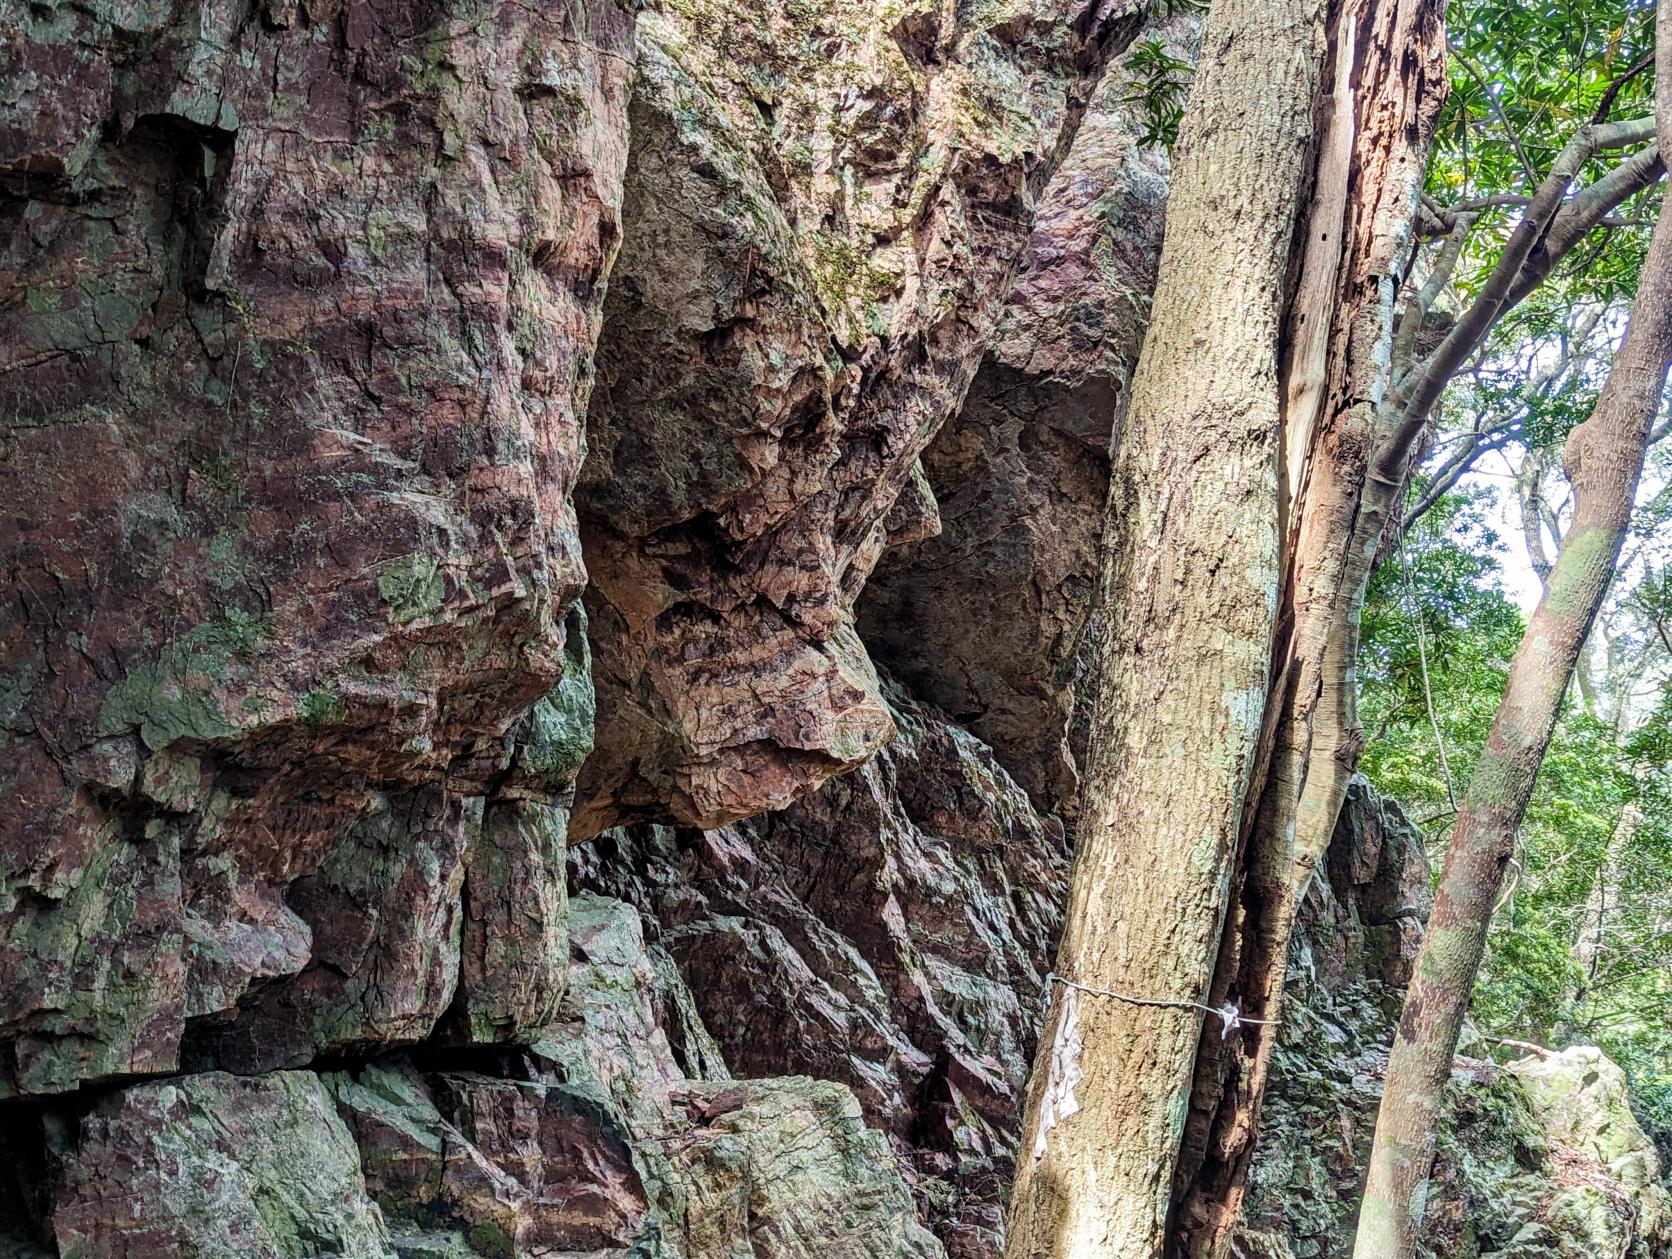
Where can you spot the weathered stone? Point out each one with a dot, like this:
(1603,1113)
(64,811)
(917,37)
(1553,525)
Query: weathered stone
(614,1036)
(1371,904)
(889,932)
(984,617)
(514,947)
(769,1168)
(793,1172)
(515,930)
(1583,1103)
(511,1166)
(384,960)
(299,310)
(595,1140)
(215,1167)
(825,208)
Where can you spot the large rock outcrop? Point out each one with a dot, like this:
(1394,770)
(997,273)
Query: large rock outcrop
(890,932)
(299,308)
(306,303)
(302,309)
(986,617)
(826,205)
(597,1140)
(302,305)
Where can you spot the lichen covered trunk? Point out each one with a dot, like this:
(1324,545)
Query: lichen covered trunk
(1603,458)
(1386,73)
(1193,554)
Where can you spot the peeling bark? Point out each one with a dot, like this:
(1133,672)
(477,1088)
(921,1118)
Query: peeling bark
(1387,81)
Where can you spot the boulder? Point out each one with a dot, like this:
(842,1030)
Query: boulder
(212,1166)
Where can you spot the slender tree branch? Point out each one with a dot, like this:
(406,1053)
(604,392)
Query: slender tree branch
(1416,310)
(1427,686)
(1416,395)
(1483,440)
(1606,105)
(1454,470)
(1584,214)
(1498,109)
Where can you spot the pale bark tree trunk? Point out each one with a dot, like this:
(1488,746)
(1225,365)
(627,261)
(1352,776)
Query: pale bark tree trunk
(1603,458)
(1192,555)
(1318,739)
(1386,85)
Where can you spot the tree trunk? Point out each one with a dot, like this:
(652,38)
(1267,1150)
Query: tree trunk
(1603,902)
(1192,554)
(1558,219)
(1603,459)
(1318,726)
(1387,75)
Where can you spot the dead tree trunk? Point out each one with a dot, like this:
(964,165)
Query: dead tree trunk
(1603,460)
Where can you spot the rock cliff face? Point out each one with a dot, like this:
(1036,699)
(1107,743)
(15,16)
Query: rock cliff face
(825,207)
(336,333)
(303,305)
(303,308)
(300,305)
(985,618)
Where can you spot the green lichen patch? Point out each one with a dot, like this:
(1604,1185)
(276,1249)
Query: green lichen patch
(181,695)
(412,586)
(321,708)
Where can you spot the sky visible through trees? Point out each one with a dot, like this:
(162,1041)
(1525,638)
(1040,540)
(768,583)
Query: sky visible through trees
(1580,949)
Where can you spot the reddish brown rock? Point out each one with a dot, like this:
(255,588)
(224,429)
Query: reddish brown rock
(824,213)
(384,957)
(775,1168)
(517,1166)
(985,617)
(889,932)
(596,1141)
(297,312)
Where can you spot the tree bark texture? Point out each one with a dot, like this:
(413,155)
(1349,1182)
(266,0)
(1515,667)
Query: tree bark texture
(1193,567)
(1603,459)
(1386,83)
(1558,220)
